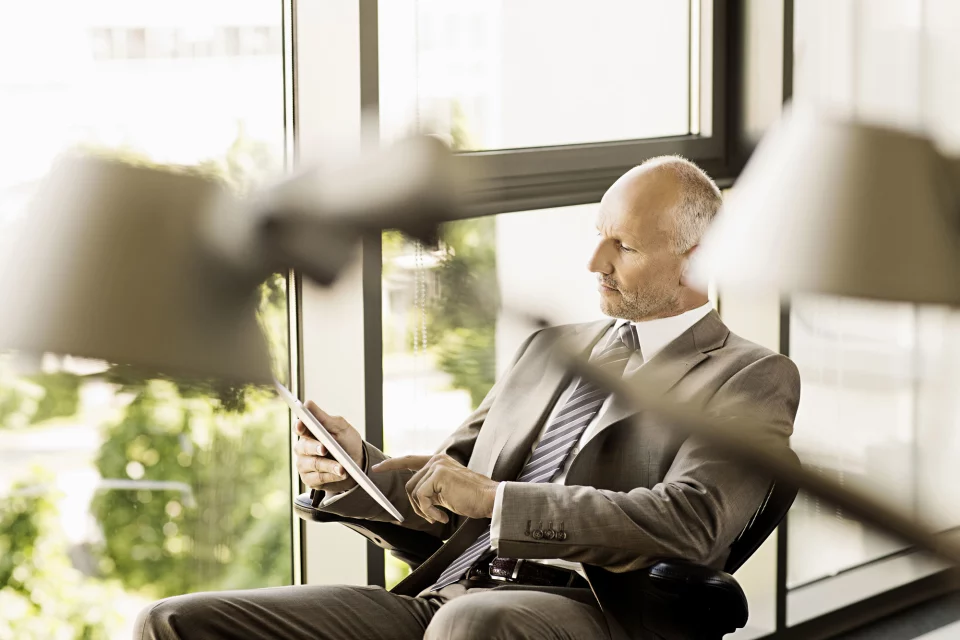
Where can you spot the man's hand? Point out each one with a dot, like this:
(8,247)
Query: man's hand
(441,481)
(318,471)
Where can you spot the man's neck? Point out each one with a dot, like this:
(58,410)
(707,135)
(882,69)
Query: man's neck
(685,303)
(656,333)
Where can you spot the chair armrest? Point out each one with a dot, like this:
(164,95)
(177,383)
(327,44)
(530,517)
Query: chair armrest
(413,547)
(672,599)
(685,600)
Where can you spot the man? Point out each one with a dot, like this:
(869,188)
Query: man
(550,469)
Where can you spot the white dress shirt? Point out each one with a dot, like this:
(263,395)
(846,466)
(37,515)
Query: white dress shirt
(653,335)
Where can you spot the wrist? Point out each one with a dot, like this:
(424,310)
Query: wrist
(362,461)
(490,499)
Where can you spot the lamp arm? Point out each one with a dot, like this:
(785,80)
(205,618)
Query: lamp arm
(312,221)
(953,169)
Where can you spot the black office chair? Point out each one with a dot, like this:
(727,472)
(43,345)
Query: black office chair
(672,598)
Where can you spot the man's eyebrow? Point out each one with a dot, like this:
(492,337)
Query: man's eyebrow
(631,242)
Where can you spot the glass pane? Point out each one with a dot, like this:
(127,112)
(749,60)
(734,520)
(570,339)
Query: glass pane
(854,425)
(500,74)
(117,489)
(879,413)
(450,315)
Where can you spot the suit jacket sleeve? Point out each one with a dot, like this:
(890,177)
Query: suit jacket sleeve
(695,514)
(458,445)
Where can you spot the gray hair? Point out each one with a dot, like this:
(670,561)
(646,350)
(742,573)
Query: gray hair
(700,199)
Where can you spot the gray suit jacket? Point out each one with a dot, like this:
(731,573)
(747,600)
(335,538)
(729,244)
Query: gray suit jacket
(639,490)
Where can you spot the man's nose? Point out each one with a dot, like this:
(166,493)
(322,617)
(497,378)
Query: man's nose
(598,262)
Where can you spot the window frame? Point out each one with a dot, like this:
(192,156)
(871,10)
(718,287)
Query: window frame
(529,178)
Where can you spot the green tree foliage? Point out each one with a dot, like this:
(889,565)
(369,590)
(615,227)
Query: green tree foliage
(460,136)
(228,447)
(61,396)
(462,316)
(19,397)
(26,400)
(222,521)
(41,594)
(196,474)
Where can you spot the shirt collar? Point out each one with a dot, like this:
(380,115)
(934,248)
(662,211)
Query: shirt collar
(654,335)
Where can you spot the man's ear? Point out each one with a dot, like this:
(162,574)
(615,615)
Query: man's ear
(685,268)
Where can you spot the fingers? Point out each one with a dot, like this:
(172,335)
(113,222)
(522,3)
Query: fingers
(425,496)
(307,446)
(314,469)
(316,472)
(422,489)
(411,486)
(410,463)
(302,431)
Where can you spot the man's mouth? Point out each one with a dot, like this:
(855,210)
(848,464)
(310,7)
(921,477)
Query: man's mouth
(606,287)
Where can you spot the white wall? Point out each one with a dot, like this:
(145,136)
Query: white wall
(542,271)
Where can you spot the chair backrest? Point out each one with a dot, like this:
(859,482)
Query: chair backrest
(765,520)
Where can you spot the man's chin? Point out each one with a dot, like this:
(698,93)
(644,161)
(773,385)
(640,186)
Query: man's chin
(608,308)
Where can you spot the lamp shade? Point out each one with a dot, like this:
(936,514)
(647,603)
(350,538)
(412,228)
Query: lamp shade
(108,264)
(826,206)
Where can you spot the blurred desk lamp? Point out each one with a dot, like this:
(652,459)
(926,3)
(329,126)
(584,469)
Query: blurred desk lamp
(160,270)
(826,206)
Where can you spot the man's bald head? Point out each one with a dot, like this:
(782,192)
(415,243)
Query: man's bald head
(676,191)
(649,221)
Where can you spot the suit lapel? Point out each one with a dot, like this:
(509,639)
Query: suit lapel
(670,365)
(513,445)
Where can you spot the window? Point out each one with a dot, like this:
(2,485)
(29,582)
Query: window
(530,73)
(876,414)
(136,43)
(116,489)
(533,93)
(450,315)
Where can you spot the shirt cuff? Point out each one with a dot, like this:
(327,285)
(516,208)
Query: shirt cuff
(329,499)
(495,518)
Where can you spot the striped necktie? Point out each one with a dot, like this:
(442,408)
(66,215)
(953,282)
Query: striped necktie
(558,440)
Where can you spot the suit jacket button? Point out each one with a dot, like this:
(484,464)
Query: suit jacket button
(561,535)
(537,534)
(549,534)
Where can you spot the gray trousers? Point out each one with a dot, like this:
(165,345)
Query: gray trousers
(347,612)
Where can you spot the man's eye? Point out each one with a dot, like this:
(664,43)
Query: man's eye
(625,248)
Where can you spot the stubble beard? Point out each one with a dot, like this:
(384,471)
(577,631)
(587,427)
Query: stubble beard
(641,305)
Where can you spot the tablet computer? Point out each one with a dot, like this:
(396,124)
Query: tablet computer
(334,448)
